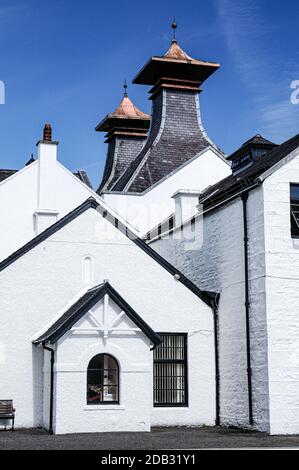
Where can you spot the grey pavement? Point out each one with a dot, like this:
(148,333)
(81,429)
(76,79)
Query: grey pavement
(166,439)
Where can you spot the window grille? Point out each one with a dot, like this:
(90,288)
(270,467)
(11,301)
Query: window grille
(170,371)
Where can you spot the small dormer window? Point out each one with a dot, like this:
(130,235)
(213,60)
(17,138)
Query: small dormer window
(295,210)
(241,162)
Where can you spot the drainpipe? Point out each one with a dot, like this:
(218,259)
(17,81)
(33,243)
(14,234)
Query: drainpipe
(244,198)
(51,386)
(217,371)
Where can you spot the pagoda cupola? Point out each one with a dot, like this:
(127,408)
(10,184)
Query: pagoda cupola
(176,135)
(126,131)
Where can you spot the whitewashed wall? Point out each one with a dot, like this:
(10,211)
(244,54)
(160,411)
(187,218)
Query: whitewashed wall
(258,310)
(19,201)
(149,209)
(218,265)
(132,352)
(282,298)
(37,288)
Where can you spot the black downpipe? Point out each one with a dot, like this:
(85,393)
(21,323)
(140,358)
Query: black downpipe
(247,307)
(217,370)
(51,386)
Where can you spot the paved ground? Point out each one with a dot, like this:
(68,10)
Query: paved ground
(167,439)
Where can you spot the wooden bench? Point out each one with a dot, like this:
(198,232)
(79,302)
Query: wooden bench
(7,411)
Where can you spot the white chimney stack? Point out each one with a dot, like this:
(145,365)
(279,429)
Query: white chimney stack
(186,205)
(46,213)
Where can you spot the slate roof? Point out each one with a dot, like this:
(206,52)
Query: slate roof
(4,174)
(176,134)
(84,304)
(81,175)
(233,184)
(120,155)
(256,141)
(208,297)
(180,139)
(130,126)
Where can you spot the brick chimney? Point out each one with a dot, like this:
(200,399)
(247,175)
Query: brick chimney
(46,213)
(48,133)
(176,134)
(126,130)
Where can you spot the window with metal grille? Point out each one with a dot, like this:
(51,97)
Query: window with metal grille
(170,371)
(295,210)
(103,380)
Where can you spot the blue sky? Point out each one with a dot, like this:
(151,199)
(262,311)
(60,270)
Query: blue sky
(64,62)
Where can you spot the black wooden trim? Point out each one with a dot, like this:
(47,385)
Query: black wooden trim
(90,203)
(247,307)
(217,362)
(206,297)
(139,322)
(51,431)
(54,335)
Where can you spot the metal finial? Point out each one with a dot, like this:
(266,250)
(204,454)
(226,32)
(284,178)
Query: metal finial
(125,88)
(174,27)
(31,160)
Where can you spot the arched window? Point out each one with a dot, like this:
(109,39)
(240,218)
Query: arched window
(103,380)
(87,269)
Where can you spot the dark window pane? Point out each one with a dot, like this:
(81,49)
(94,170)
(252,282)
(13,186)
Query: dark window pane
(295,192)
(170,365)
(295,210)
(103,380)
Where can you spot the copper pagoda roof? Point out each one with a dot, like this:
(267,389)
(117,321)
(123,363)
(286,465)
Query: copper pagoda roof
(125,111)
(176,63)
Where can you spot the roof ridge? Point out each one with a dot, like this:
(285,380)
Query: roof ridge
(92,203)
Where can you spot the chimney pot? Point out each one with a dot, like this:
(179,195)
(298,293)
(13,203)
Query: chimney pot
(47,133)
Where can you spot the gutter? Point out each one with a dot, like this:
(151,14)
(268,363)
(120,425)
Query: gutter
(244,198)
(217,368)
(205,211)
(51,386)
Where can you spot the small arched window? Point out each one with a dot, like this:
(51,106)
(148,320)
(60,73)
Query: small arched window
(87,269)
(103,380)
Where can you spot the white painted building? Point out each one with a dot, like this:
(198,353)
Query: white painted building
(37,196)
(258,317)
(57,292)
(102,331)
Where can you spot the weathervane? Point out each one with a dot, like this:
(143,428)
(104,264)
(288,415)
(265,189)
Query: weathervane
(125,88)
(174,27)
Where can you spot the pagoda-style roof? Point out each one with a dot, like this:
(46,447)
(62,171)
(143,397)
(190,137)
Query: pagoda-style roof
(126,115)
(177,64)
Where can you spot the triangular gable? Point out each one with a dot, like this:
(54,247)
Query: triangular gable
(84,304)
(207,297)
